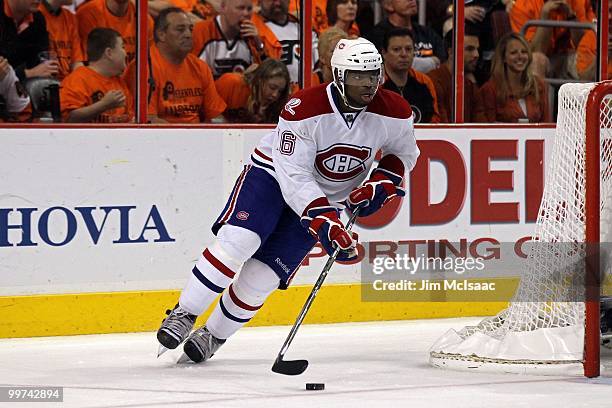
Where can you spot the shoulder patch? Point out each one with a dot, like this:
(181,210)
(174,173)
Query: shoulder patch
(292,103)
(391,104)
(307,103)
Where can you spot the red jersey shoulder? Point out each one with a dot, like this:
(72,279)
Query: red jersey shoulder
(307,103)
(391,104)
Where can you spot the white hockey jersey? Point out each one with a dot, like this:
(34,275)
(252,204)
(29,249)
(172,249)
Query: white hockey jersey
(314,152)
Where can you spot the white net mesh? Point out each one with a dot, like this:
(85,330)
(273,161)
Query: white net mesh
(537,328)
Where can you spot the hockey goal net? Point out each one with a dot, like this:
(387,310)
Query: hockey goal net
(538,333)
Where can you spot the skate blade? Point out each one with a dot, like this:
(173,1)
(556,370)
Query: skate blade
(161,350)
(183,359)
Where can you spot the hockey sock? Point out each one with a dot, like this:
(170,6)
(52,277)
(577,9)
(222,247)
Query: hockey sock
(217,266)
(243,299)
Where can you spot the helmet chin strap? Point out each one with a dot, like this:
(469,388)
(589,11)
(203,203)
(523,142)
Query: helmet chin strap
(345,99)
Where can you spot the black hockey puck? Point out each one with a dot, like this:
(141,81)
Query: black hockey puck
(315,386)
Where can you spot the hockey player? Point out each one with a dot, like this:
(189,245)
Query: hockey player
(316,161)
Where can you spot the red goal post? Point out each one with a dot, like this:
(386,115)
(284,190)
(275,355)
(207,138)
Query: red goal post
(597,115)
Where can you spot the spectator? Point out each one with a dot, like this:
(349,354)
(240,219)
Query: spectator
(197,10)
(327,42)
(64,37)
(319,16)
(586,53)
(231,41)
(429,52)
(183,89)
(342,14)
(284,30)
(13,97)
(442,78)
(23,36)
(514,93)
(553,48)
(97,93)
(258,95)
(120,15)
(416,87)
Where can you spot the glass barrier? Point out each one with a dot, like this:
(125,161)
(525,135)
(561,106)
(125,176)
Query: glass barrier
(239,61)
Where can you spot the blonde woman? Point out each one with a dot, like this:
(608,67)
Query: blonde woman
(513,93)
(257,95)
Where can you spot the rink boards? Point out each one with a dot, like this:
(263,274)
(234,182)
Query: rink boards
(99,228)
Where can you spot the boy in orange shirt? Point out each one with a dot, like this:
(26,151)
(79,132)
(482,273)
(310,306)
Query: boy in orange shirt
(64,37)
(97,93)
(183,90)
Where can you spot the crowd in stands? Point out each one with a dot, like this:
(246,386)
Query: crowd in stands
(238,61)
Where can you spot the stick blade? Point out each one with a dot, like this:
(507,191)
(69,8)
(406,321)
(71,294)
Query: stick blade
(294,367)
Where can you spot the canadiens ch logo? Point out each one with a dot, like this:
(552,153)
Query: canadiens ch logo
(342,162)
(293,103)
(242,215)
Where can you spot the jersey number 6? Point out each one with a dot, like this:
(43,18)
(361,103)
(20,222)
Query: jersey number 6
(287,143)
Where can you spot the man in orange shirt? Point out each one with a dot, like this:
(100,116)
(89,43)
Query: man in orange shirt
(97,93)
(64,37)
(120,15)
(231,42)
(551,47)
(183,89)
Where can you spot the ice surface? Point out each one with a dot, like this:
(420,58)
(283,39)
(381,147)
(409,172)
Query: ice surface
(382,364)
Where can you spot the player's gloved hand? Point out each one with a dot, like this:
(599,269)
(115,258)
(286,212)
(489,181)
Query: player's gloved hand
(377,191)
(324,224)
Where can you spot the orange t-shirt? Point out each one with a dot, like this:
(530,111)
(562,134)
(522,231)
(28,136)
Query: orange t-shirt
(95,14)
(319,15)
(510,111)
(84,86)
(525,10)
(587,52)
(183,93)
(235,92)
(233,89)
(185,5)
(63,38)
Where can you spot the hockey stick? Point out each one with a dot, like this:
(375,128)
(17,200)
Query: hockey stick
(297,367)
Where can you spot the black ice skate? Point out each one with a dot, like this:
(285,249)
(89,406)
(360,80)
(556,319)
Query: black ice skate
(174,329)
(201,345)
